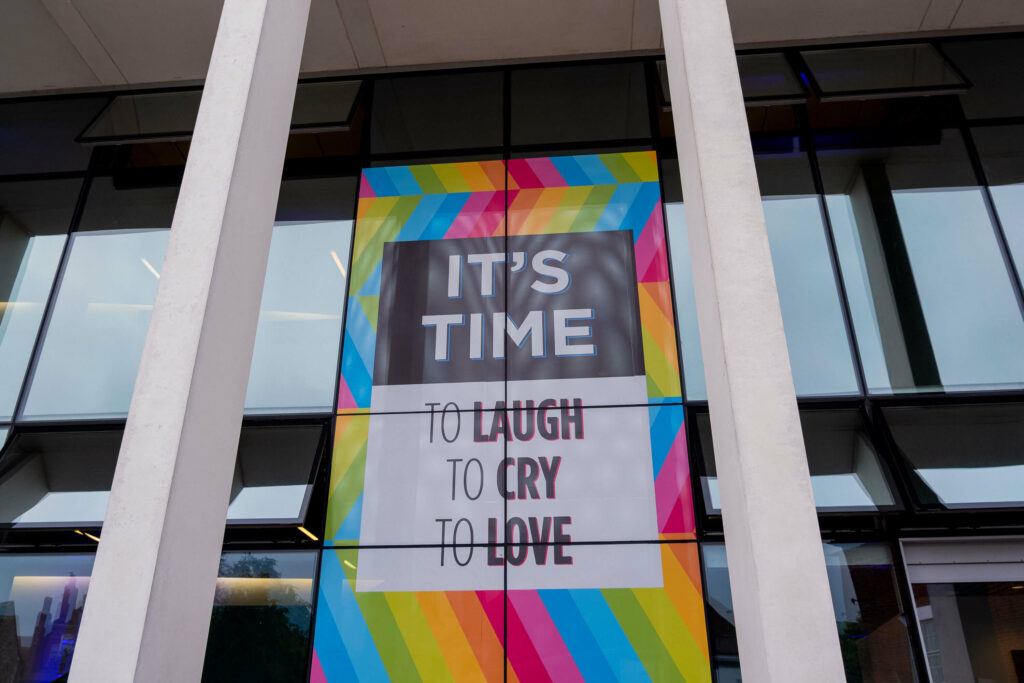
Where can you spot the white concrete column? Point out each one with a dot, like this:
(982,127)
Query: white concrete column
(784,618)
(148,610)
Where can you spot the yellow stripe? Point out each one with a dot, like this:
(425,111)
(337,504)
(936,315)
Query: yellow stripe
(474,175)
(679,641)
(352,433)
(451,178)
(644,163)
(684,595)
(654,322)
(542,212)
(445,626)
(418,638)
(370,222)
(568,209)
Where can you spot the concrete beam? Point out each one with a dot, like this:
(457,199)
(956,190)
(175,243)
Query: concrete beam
(784,618)
(150,597)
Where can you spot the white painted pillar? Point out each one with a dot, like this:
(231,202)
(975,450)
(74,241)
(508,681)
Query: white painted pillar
(784,618)
(148,610)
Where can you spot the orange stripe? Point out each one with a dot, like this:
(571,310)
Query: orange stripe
(479,633)
(659,291)
(475,176)
(683,591)
(495,170)
(657,325)
(520,209)
(543,211)
(455,649)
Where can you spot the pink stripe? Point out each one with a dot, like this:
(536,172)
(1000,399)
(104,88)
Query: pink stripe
(491,217)
(545,637)
(523,174)
(671,484)
(470,214)
(491,601)
(546,172)
(649,247)
(365,190)
(345,397)
(317,675)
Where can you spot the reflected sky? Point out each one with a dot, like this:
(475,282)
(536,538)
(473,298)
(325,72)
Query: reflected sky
(686,306)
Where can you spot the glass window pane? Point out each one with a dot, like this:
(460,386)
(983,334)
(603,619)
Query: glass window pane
(163,115)
(872,624)
(686,304)
(881,68)
(324,104)
(42,598)
(579,103)
(768,77)
(274,472)
(995,67)
(3,435)
(930,297)
(295,358)
(819,351)
(39,136)
(427,113)
(262,608)
(1002,153)
(845,471)
(34,220)
(57,478)
(963,456)
(93,343)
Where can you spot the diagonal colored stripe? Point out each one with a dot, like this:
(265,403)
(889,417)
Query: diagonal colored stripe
(682,592)
(445,216)
(491,218)
(620,168)
(357,377)
(495,171)
(480,633)
(467,218)
(360,331)
(546,172)
(519,208)
(371,218)
(523,657)
(403,180)
(642,635)
(457,653)
(658,326)
(672,488)
(592,208)
(651,243)
(371,307)
(595,170)
(569,208)
(542,212)
(423,647)
(645,164)
(570,170)
(544,635)
(394,651)
(476,178)
(661,370)
(350,528)
(344,627)
(608,631)
(381,230)
(647,199)
(372,285)
(450,177)
(380,181)
(661,295)
(522,175)
(614,214)
(348,464)
(665,422)
(427,178)
(689,660)
(585,649)
(420,218)
(345,398)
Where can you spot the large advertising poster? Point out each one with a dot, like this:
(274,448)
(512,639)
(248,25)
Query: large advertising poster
(510,482)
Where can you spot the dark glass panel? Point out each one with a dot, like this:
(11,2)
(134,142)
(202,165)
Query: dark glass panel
(872,624)
(845,471)
(930,297)
(426,113)
(995,67)
(262,612)
(38,136)
(1002,154)
(34,221)
(579,103)
(166,115)
(881,68)
(273,473)
(963,456)
(765,77)
(42,598)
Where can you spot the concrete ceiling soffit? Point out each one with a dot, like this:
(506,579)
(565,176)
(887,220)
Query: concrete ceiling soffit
(78,31)
(361,31)
(646,25)
(36,53)
(327,46)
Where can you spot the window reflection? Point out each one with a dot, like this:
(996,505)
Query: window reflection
(1002,154)
(686,303)
(930,297)
(259,628)
(41,602)
(844,466)
(873,635)
(34,221)
(963,456)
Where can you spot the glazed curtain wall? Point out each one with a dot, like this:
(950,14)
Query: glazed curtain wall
(509,488)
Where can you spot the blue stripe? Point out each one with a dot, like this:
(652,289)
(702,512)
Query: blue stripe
(404,181)
(606,629)
(585,650)
(349,530)
(615,212)
(330,649)
(641,208)
(357,377)
(348,620)
(595,169)
(380,181)
(665,422)
(445,216)
(372,285)
(359,329)
(414,226)
(571,171)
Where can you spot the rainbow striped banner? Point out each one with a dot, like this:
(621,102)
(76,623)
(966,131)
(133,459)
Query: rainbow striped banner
(640,634)
(544,196)
(672,491)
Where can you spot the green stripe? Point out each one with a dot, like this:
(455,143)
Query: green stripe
(619,168)
(658,365)
(384,630)
(641,635)
(348,489)
(391,225)
(371,307)
(644,165)
(593,207)
(428,180)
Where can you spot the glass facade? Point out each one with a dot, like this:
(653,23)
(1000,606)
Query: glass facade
(477,428)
